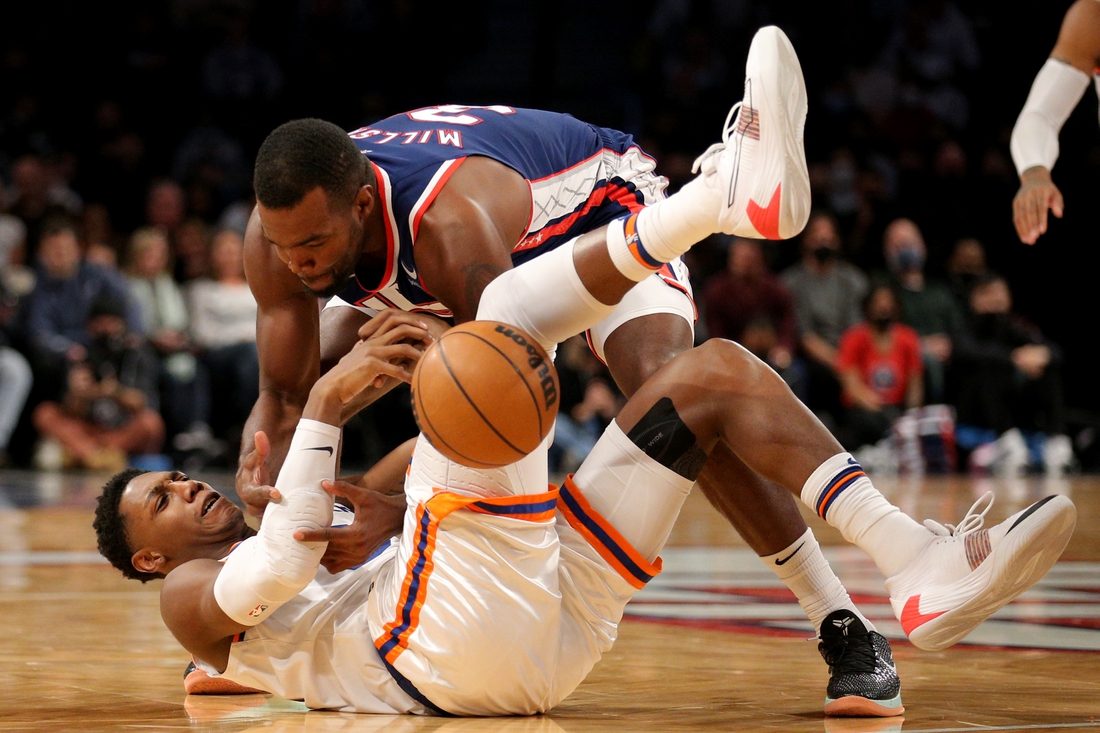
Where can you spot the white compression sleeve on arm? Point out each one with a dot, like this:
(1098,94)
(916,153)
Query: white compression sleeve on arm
(268,570)
(545,297)
(1057,89)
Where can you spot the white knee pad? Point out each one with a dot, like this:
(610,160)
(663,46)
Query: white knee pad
(271,568)
(545,297)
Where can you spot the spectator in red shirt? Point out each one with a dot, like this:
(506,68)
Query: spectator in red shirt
(880,370)
(748,304)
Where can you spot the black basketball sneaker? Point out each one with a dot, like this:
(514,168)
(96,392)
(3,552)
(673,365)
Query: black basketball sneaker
(863,681)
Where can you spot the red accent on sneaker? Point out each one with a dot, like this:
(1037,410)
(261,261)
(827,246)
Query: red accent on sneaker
(766,220)
(912,618)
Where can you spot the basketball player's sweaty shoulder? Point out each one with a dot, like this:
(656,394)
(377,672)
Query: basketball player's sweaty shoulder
(467,234)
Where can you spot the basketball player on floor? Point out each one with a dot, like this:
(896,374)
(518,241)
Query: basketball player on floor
(434,204)
(1057,89)
(499,597)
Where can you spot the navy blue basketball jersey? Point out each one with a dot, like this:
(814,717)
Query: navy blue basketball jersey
(581,177)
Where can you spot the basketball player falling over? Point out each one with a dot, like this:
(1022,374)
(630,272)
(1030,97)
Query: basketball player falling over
(478,189)
(1057,89)
(499,596)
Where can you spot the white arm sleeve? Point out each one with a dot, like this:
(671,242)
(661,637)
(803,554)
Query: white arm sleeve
(1057,89)
(270,569)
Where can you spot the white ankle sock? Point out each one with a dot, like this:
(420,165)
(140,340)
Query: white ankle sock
(803,569)
(840,493)
(663,231)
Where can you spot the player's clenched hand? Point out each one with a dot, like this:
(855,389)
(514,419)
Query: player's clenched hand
(416,328)
(1036,196)
(253,478)
(377,518)
(368,364)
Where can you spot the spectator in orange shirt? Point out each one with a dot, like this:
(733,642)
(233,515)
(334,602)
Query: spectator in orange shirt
(880,371)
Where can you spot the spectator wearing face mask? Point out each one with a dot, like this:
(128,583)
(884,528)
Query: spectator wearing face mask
(1010,387)
(827,295)
(965,265)
(927,306)
(879,364)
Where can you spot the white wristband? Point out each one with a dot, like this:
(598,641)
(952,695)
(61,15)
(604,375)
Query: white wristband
(1057,89)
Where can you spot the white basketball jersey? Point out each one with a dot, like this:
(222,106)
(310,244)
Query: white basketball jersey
(317,648)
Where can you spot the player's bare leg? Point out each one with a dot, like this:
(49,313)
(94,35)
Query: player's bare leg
(765,515)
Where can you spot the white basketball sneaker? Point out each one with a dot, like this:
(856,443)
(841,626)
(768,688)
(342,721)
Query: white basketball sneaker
(760,166)
(966,573)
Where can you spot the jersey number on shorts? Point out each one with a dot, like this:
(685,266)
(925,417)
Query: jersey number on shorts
(455,114)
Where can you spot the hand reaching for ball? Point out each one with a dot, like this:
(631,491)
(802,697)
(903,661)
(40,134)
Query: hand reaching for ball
(387,355)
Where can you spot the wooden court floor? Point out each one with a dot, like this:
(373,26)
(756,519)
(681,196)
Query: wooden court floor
(714,643)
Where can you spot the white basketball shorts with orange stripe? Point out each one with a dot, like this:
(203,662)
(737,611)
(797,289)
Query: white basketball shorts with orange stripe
(503,594)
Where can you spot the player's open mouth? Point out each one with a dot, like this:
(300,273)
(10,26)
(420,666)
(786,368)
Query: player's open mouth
(210,502)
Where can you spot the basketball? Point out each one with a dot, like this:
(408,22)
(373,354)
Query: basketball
(485,394)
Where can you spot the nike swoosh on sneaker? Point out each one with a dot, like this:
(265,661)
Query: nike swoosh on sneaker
(1031,510)
(766,219)
(322,447)
(788,557)
(912,618)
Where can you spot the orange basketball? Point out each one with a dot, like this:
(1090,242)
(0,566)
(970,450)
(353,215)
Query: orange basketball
(485,394)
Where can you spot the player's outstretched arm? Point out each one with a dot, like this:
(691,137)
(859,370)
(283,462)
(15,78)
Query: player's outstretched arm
(1055,92)
(204,602)
(288,342)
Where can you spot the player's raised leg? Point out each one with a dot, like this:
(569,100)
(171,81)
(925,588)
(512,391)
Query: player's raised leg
(764,514)
(943,580)
(761,159)
(625,498)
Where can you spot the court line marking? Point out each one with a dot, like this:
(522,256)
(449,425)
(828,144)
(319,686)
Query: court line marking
(75,596)
(51,557)
(978,726)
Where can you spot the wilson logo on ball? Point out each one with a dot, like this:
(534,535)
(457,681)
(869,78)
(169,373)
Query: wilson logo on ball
(485,394)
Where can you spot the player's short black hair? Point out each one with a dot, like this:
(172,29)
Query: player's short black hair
(110,527)
(300,155)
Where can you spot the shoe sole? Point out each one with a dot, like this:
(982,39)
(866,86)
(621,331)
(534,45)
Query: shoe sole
(1041,538)
(854,706)
(779,96)
(200,683)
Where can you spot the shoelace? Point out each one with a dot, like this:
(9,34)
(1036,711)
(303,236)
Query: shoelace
(727,130)
(847,655)
(972,522)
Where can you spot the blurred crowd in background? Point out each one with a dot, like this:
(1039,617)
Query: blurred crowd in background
(907,316)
